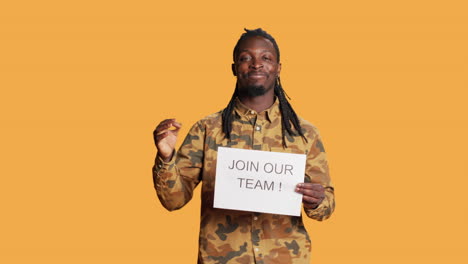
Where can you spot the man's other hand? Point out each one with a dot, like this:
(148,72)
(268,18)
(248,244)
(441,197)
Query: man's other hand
(165,137)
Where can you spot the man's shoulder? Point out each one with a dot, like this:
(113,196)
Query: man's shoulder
(212,118)
(210,121)
(309,129)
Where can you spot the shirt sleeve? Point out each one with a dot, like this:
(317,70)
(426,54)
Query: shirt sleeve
(175,180)
(317,172)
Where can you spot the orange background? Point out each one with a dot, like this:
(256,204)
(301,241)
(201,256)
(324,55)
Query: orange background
(84,83)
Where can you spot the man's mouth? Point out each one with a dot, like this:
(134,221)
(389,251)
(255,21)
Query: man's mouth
(256,75)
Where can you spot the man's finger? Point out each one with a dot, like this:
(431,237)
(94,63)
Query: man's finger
(311,200)
(164,125)
(161,126)
(176,124)
(176,130)
(312,193)
(165,121)
(168,124)
(161,132)
(310,186)
(176,127)
(161,136)
(311,205)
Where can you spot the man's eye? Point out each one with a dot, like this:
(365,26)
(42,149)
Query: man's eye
(267,58)
(244,58)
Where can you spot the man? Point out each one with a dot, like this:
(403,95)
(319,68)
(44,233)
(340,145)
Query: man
(258,117)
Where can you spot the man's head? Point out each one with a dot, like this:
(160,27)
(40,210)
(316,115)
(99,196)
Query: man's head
(256,63)
(257,67)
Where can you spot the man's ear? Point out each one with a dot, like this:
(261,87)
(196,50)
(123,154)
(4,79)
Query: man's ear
(279,69)
(233,68)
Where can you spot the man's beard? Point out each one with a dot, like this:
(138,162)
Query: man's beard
(253,91)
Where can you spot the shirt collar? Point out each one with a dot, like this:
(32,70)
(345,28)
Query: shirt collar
(270,114)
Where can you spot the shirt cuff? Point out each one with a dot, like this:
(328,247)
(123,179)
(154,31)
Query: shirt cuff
(317,213)
(160,165)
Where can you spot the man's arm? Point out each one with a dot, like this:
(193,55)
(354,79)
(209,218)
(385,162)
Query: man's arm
(318,191)
(175,175)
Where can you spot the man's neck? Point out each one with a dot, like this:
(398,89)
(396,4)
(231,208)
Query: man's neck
(258,103)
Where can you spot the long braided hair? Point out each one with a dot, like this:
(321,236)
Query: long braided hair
(288,115)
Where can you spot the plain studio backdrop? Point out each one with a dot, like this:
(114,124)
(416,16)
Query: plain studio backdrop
(84,83)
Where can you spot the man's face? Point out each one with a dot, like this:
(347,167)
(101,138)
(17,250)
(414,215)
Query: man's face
(256,66)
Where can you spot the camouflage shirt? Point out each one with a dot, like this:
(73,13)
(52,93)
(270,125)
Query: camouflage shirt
(229,236)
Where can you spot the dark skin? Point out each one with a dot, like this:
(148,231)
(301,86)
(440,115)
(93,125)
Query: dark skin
(256,66)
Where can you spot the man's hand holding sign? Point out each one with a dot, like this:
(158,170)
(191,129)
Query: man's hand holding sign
(313,194)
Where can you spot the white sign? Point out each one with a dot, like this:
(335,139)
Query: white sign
(259,181)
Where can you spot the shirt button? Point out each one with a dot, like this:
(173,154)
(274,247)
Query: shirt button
(256,249)
(252,112)
(258,128)
(255,218)
(159,165)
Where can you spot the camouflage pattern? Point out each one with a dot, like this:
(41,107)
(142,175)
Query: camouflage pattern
(228,236)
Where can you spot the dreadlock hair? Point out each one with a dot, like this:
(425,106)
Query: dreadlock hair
(288,115)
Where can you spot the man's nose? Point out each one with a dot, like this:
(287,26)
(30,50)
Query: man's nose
(256,63)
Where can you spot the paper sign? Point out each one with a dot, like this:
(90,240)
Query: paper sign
(259,181)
